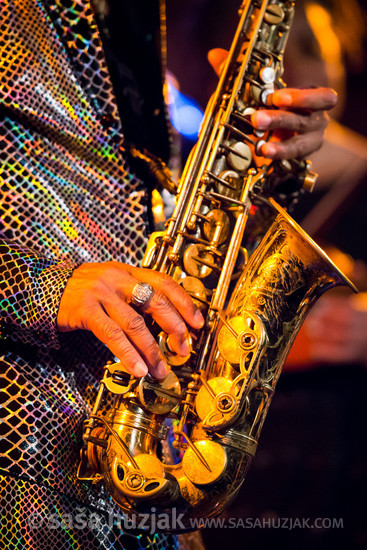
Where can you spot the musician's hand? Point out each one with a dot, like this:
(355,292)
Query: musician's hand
(337,330)
(298,120)
(298,123)
(96,298)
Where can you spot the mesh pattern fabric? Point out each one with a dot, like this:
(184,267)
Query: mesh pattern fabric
(25,306)
(35,517)
(64,174)
(67,197)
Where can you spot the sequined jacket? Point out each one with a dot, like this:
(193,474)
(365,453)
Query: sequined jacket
(67,197)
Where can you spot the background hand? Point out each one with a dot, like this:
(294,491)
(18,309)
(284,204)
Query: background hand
(96,298)
(337,329)
(298,120)
(298,123)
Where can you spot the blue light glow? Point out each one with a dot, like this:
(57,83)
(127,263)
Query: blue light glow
(185,113)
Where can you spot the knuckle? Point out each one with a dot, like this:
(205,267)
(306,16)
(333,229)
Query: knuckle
(167,281)
(129,354)
(303,123)
(112,333)
(324,121)
(160,300)
(300,149)
(100,291)
(152,350)
(280,119)
(135,323)
(178,327)
(293,149)
(320,121)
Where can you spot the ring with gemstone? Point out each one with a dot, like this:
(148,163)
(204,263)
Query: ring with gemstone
(141,294)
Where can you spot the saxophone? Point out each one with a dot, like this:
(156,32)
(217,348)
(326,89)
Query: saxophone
(183,445)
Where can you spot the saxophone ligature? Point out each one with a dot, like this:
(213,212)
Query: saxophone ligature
(185,444)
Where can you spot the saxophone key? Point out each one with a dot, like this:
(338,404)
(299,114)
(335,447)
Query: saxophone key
(230,183)
(274,14)
(216,402)
(259,144)
(196,289)
(240,157)
(267,75)
(216,226)
(204,462)
(171,357)
(198,261)
(159,397)
(241,335)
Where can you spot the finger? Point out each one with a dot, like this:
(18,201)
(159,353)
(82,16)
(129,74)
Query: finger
(174,292)
(217,58)
(296,147)
(162,309)
(286,120)
(110,333)
(314,99)
(134,327)
(170,321)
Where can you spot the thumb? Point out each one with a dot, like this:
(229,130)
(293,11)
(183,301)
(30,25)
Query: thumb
(217,58)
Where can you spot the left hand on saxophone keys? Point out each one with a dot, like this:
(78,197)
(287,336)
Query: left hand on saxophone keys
(297,121)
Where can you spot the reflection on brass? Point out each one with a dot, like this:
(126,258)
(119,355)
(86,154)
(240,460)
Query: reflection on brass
(152,248)
(247,332)
(150,464)
(205,403)
(192,264)
(228,379)
(171,357)
(159,397)
(195,288)
(233,179)
(214,455)
(135,481)
(116,378)
(225,402)
(142,481)
(216,217)
(310,181)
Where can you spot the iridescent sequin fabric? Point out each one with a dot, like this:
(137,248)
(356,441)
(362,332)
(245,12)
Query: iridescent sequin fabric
(67,197)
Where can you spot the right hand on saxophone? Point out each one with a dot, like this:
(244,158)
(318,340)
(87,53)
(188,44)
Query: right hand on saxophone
(97,297)
(298,120)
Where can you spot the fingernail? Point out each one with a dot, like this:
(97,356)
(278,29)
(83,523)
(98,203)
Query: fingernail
(268,150)
(162,370)
(185,348)
(261,120)
(199,319)
(140,369)
(335,96)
